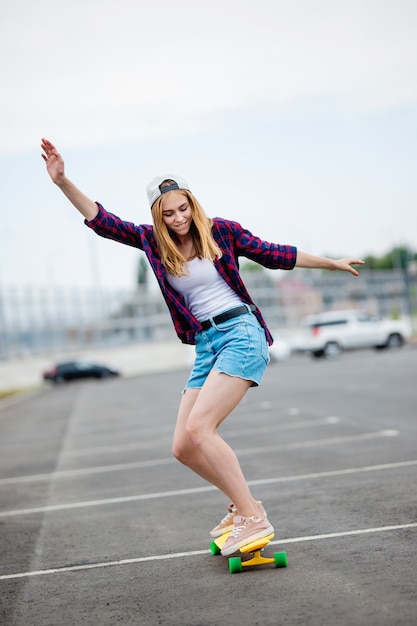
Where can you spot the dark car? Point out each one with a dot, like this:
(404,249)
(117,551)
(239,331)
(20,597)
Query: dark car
(75,370)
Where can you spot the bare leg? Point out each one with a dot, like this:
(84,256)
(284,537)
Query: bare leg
(184,449)
(207,409)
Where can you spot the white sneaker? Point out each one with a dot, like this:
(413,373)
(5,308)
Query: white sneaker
(245,530)
(227,522)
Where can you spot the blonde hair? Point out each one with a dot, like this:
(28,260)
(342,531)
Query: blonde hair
(201,231)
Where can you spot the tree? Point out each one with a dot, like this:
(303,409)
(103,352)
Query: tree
(142,277)
(397,258)
(250,266)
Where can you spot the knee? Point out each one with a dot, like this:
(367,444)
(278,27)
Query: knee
(185,447)
(181,451)
(196,434)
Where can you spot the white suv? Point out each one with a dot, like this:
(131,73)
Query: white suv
(328,334)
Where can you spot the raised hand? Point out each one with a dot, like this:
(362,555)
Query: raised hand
(311,261)
(345,265)
(55,166)
(54,161)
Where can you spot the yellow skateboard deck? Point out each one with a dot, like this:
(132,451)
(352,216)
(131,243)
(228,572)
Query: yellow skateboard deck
(236,564)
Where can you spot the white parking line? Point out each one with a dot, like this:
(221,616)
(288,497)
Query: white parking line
(86,471)
(179,555)
(255,430)
(100,469)
(320,442)
(184,492)
(279,427)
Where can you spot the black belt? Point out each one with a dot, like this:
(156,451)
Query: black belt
(228,315)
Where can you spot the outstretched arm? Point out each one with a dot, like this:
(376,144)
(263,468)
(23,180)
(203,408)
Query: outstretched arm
(56,170)
(320,262)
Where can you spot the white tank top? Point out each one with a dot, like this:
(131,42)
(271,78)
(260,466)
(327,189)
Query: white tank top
(206,293)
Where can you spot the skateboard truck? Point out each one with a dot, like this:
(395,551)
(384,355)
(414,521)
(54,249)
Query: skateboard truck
(236,564)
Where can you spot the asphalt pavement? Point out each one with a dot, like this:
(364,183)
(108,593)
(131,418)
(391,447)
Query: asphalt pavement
(99,525)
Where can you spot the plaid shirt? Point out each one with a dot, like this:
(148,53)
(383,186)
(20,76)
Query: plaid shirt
(233,241)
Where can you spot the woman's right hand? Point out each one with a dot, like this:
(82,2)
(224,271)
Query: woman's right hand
(54,161)
(55,166)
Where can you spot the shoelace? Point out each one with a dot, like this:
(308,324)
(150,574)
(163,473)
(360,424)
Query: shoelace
(229,516)
(238,529)
(232,512)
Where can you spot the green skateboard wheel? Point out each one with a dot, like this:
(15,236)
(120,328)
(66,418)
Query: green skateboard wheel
(235,565)
(280,559)
(214,548)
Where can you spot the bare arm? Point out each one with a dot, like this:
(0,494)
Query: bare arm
(320,262)
(55,166)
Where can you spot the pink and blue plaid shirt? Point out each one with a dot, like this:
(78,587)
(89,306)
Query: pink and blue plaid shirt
(234,242)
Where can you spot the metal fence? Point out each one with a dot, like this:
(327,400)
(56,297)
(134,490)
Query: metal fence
(46,320)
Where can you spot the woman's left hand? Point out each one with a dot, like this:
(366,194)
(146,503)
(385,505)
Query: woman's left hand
(311,261)
(345,265)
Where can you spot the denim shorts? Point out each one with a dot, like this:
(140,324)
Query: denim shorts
(237,347)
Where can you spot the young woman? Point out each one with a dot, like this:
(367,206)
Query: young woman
(195,260)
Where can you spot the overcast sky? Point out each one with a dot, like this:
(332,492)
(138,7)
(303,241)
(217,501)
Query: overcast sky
(297,119)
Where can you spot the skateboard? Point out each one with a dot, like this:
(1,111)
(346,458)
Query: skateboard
(236,564)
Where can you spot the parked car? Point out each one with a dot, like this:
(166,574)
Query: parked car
(73,370)
(282,347)
(328,334)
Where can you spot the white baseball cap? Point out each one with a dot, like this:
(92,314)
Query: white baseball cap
(154,188)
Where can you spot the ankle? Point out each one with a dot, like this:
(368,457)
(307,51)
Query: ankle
(252,512)
(254,509)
